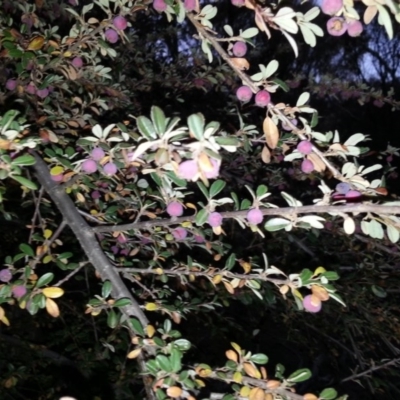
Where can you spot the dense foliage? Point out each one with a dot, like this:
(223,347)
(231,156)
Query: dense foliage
(186,212)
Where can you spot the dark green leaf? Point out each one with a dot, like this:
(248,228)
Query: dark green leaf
(146,127)
(25,182)
(175,359)
(328,394)
(216,187)
(112,319)
(106,289)
(163,363)
(122,302)
(45,279)
(137,326)
(300,375)
(26,159)
(201,217)
(26,249)
(259,358)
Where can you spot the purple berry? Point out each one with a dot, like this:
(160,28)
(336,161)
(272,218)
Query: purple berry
(336,26)
(175,209)
(254,216)
(95,195)
(5,275)
(215,219)
(244,93)
(97,153)
(42,93)
(11,84)
(199,239)
(287,127)
(111,35)
(190,5)
(121,239)
(239,49)
(304,147)
(89,166)
(19,291)
(77,62)
(110,169)
(343,187)
(354,28)
(160,5)
(120,22)
(31,88)
(179,233)
(331,7)
(353,194)
(312,304)
(188,169)
(263,98)
(307,166)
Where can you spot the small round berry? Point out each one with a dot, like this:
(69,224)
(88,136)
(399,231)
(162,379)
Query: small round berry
(175,209)
(97,153)
(120,22)
(19,291)
(95,195)
(179,233)
(331,7)
(312,304)
(354,28)
(215,219)
(254,216)
(199,239)
(111,35)
(188,169)
(336,26)
(42,93)
(77,62)
(244,93)
(57,178)
(110,169)
(307,166)
(89,166)
(238,3)
(190,5)
(304,147)
(343,187)
(353,194)
(263,98)
(287,127)
(160,5)
(11,84)
(121,239)
(239,49)
(31,88)
(5,275)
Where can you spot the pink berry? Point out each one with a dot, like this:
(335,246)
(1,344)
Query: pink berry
(77,62)
(312,304)
(11,84)
(215,219)
(89,166)
(238,3)
(97,153)
(307,166)
(352,194)
(95,195)
(336,26)
(121,239)
(244,93)
(287,127)
(343,188)
(5,275)
(354,28)
(175,209)
(212,174)
(188,169)
(239,49)
(31,89)
(263,98)
(120,22)
(111,35)
(190,5)
(110,169)
(331,7)
(160,5)
(42,93)
(254,216)
(304,147)
(19,291)
(114,249)
(199,239)
(57,178)
(179,233)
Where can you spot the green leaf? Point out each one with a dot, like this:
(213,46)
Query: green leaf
(163,363)
(137,326)
(259,358)
(146,127)
(26,249)
(328,394)
(330,275)
(261,190)
(378,291)
(175,359)
(45,279)
(230,262)
(25,182)
(249,33)
(276,224)
(122,302)
(196,125)
(112,319)
(158,118)
(160,394)
(217,187)
(201,217)
(26,159)
(203,189)
(300,375)
(305,276)
(106,289)
(183,344)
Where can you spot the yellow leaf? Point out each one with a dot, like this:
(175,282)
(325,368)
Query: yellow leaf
(244,391)
(2,313)
(268,396)
(205,163)
(216,279)
(263,372)
(319,270)
(237,377)
(229,287)
(52,308)
(296,293)
(56,170)
(53,292)
(256,394)
(284,289)
(231,355)
(320,292)
(80,197)
(47,233)
(5,321)
(271,133)
(240,63)
(67,54)
(174,392)
(217,230)
(266,155)
(273,384)
(151,306)
(310,396)
(251,370)
(47,259)
(199,382)
(204,373)
(134,353)
(190,205)
(150,330)
(236,347)
(36,43)
(159,271)
(246,266)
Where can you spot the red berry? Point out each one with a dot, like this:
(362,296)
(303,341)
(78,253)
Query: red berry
(42,93)
(19,291)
